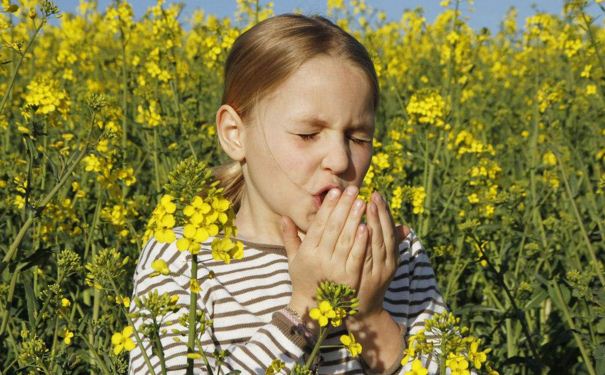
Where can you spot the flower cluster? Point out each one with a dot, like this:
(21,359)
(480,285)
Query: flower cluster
(443,340)
(427,108)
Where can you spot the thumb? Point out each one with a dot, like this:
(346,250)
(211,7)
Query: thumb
(290,237)
(401,232)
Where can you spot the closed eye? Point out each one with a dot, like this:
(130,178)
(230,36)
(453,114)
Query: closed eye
(309,137)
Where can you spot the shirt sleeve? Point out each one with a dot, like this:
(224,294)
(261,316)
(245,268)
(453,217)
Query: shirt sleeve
(412,297)
(280,338)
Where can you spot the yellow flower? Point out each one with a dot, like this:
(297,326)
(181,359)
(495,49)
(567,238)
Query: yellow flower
(194,286)
(458,364)
(549,158)
(591,89)
(352,346)
(123,301)
(476,356)
(160,266)
(67,336)
(322,313)
(473,198)
(196,210)
(65,302)
(417,368)
(225,249)
(122,340)
(275,367)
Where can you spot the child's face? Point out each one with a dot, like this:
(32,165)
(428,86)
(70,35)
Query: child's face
(329,99)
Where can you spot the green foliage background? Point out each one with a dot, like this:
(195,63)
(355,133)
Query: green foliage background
(490,145)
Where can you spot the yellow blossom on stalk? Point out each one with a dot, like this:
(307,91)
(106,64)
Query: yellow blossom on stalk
(65,302)
(122,341)
(150,117)
(67,336)
(591,89)
(340,315)
(418,196)
(194,285)
(352,346)
(160,266)
(45,96)
(225,249)
(473,198)
(417,368)
(397,199)
(121,300)
(322,313)
(549,158)
(427,107)
(19,202)
(275,367)
(458,364)
(489,210)
(162,221)
(475,356)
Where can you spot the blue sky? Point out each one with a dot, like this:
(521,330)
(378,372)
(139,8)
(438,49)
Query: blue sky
(484,13)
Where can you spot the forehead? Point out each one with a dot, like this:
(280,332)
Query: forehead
(325,89)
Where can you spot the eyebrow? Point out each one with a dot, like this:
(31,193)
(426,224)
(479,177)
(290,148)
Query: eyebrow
(319,123)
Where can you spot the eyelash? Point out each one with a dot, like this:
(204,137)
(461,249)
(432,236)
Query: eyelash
(308,137)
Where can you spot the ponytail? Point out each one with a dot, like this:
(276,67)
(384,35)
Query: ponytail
(231,179)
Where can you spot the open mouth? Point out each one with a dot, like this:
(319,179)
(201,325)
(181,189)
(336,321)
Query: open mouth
(322,196)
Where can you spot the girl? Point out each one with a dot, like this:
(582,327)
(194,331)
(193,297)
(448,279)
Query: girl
(297,118)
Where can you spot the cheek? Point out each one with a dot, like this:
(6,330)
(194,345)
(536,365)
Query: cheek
(362,161)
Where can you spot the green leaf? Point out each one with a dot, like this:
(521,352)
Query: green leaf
(535,301)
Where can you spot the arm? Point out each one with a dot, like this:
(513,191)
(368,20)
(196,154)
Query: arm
(422,295)
(276,339)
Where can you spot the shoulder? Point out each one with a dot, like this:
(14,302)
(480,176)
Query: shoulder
(411,247)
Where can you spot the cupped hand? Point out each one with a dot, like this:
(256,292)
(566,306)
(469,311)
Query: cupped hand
(333,248)
(382,256)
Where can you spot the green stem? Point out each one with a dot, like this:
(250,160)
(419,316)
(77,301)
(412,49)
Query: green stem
(591,253)
(155,160)
(192,316)
(16,71)
(15,244)
(158,343)
(322,336)
(94,353)
(572,327)
(136,332)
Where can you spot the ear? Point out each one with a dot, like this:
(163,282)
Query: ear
(230,131)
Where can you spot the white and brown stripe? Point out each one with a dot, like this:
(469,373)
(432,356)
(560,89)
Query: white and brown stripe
(244,299)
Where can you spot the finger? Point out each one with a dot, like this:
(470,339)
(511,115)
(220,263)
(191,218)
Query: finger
(313,235)
(377,238)
(290,237)
(347,235)
(337,219)
(357,255)
(387,225)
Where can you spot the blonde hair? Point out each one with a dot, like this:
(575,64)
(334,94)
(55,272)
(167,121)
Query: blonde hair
(273,50)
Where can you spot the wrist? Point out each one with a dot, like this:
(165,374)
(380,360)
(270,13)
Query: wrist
(300,309)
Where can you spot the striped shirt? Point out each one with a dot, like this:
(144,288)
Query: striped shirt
(246,298)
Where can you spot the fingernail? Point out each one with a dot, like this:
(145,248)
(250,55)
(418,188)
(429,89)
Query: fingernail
(351,190)
(373,207)
(377,197)
(333,193)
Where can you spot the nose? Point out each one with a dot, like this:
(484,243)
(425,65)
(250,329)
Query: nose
(337,156)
